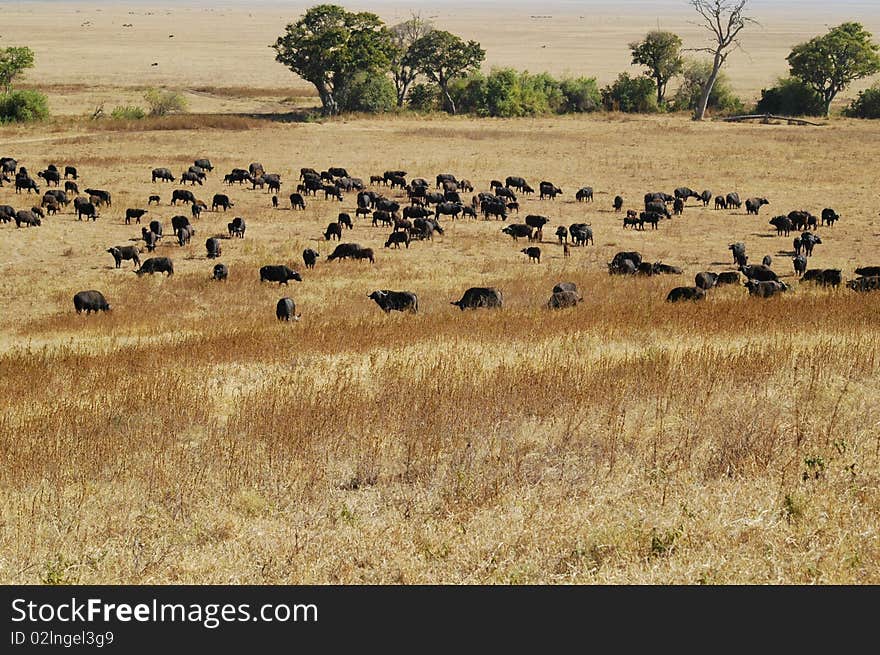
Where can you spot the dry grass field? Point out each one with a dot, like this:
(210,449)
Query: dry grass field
(189,437)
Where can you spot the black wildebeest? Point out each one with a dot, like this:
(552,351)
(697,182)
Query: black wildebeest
(399,301)
(121,253)
(310,257)
(679,294)
(285,310)
(90,301)
(280,274)
(156,265)
(477,297)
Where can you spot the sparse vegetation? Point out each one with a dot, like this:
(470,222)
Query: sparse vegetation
(163,102)
(866,105)
(128,113)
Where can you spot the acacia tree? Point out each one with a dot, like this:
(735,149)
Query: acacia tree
(403,35)
(724,20)
(329,45)
(13,62)
(442,56)
(660,53)
(829,63)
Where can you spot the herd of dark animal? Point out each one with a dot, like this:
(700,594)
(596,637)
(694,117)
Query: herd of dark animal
(415,221)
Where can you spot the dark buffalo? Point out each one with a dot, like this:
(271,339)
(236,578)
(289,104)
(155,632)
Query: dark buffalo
(135,214)
(563,299)
(220,272)
(617,264)
(581,234)
(150,239)
(380,216)
(767,260)
(204,163)
(280,274)
(565,286)
(800,265)
(864,284)
(399,301)
(562,234)
(549,190)
(518,230)
(618,203)
(90,301)
(809,241)
(753,205)
(104,196)
(829,216)
(533,252)
(351,250)
(448,209)
(477,297)
(683,193)
(706,196)
(706,280)
(153,199)
(759,273)
(70,171)
(86,209)
(121,253)
(184,195)
(156,265)
(720,202)
(678,206)
(184,234)
(738,250)
(584,194)
(192,178)
(237,227)
(212,245)
(51,177)
(285,310)
(783,225)
(679,294)
(155,228)
(163,174)
(27,218)
(310,257)
(221,200)
(868,271)
(727,277)
(517,183)
(657,207)
(536,221)
(297,201)
(765,289)
(396,238)
(71,187)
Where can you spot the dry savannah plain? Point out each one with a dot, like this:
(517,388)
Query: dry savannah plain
(189,437)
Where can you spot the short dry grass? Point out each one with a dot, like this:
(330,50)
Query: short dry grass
(189,437)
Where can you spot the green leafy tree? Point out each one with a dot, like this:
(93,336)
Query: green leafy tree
(660,53)
(791,97)
(22,106)
(689,95)
(13,62)
(330,45)
(367,93)
(723,20)
(442,57)
(580,94)
(829,63)
(403,35)
(867,105)
(630,94)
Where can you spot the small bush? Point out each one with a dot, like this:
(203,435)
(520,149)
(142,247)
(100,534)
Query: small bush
(368,93)
(580,94)
(722,99)
(631,95)
(422,97)
(790,97)
(23,106)
(867,105)
(128,113)
(162,102)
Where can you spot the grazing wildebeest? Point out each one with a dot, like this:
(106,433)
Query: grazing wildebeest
(618,203)
(563,299)
(476,297)
(765,289)
(163,174)
(706,280)
(809,241)
(720,202)
(679,294)
(121,253)
(135,214)
(396,238)
(220,272)
(310,257)
(395,300)
(26,218)
(280,274)
(583,194)
(86,209)
(678,206)
(549,190)
(237,227)
(221,200)
(285,310)
(753,205)
(581,234)
(156,265)
(767,261)
(759,273)
(517,230)
(865,283)
(70,171)
(153,199)
(212,245)
(90,301)
(351,250)
(184,195)
(562,234)
(204,163)
(534,254)
(149,238)
(783,225)
(733,201)
(683,193)
(800,265)
(727,277)
(706,196)
(297,201)
(829,216)
(103,195)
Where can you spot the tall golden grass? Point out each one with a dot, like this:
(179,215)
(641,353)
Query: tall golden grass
(187,436)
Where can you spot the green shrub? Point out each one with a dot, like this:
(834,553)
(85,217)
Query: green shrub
(722,99)
(630,94)
(164,102)
(867,105)
(373,94)
(128,113)
(23,106)
(790,97)
(422,97)
(469,95)
(580,94)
